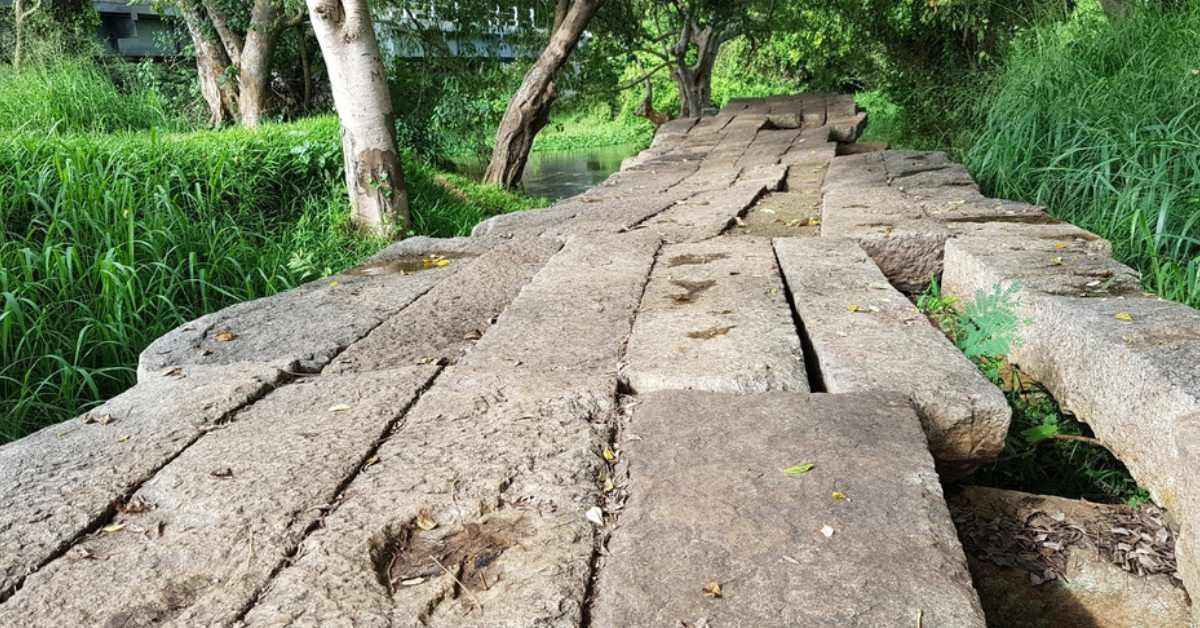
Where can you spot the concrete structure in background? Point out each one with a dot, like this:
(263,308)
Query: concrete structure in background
(135,30)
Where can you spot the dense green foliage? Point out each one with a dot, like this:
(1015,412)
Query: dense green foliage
(1100,122)
(1043,452)
(112,239)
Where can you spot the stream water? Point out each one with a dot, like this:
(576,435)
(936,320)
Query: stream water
(562,173)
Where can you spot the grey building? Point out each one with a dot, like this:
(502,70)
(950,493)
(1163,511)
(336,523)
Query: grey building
(134,30)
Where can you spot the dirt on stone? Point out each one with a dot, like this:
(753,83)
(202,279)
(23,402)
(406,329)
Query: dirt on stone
(690,259)
(468,554)
(691,289)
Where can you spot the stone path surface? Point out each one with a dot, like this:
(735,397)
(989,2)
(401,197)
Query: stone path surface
(695,395)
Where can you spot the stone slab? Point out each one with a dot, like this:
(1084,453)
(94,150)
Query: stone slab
(510,438)
(302,329)
(902,206)
(710,502)
(63,481)
(442,325)
(220,519)
(705,215)
(1093,590)
(1119,360)
(715,317)
(868,336)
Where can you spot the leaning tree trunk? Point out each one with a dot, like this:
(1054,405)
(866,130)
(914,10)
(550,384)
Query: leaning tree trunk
(211,63)
(695,79)
(22,10)
(364,107)
(254,64)
(529,110)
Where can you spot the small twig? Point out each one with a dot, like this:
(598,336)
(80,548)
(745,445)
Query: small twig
(460,583)
(1080,439)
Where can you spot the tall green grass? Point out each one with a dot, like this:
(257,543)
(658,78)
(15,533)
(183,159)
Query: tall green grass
(1100,122)
(111,240)
(74,95)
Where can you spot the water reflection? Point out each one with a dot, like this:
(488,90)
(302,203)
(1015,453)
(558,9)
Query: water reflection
(562,173)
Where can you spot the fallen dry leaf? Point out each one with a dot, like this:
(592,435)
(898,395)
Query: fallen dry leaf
(595,515)
(1124,316)
(113,528)
(341,407)
(839,496)
(225,336)
(224,472)
(609,454)
(827,531)
(710,333)
(1057,261)
(853,308)
(99,419)
(474,334)
(712,589)
(425,522)
(173,372)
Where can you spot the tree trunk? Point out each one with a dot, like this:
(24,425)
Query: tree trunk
(211,63)
(1115,9)
(695,79)
(364,106)
(22,10)
(529,110)
(254,64)
(646,107)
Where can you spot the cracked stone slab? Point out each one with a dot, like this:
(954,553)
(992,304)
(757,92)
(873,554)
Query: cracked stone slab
(1119,360)
(710,502)
(302,329)
(442,325)
(210,528)
(868,336)
(1093,590)
(63,480)
(510,436)
(715,317)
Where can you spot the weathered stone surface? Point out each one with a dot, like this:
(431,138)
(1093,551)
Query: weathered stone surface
(1093,591)
(302,329)
(902,206)
(715,317)
(1120,361)
(444,324)
(710,502)
(63,481)
(704,216)
(509,438)
(783,214)
(200,539)
(868,336)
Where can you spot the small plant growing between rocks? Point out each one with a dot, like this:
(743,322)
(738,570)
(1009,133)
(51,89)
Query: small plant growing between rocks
(1047,451)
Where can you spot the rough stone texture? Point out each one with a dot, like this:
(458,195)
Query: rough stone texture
(281,463)
(443,324)
(705,215)
(868,336)
(902,206)
(64,480)
(302,329)
(709,501)
(1133,381)
(1094,592)
(511,436)
(715,317)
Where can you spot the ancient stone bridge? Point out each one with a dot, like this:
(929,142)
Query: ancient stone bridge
(695,395)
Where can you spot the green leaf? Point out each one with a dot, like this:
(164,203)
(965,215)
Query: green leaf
(1039,433)
(799,470)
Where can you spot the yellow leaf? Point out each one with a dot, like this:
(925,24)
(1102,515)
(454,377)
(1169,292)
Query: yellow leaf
(853,308)
(609,486)
(425,522)
(113,527)
(839,496)
(333,284)
(712,589)
(225,336)
(800,470)
(609,454)
(1124,316)
(1057,261)
(1060,245)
